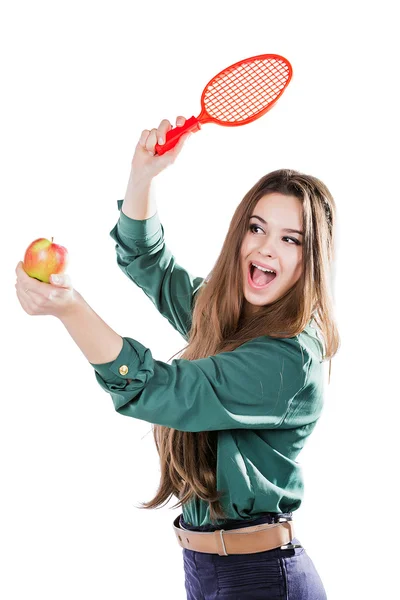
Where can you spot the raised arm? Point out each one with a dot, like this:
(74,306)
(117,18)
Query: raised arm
(141,252)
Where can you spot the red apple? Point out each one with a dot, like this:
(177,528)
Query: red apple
(42,258)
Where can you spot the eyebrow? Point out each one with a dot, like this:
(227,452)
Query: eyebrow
(286,229)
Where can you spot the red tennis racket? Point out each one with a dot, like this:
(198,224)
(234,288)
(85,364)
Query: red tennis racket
(238,95)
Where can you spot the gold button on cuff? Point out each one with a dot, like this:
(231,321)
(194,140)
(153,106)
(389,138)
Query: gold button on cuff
(123,370)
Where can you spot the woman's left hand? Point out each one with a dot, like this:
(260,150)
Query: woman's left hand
(39,298)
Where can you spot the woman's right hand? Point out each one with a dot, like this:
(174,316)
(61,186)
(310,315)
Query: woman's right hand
(145,163)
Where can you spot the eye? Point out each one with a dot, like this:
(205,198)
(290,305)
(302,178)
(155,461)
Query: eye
(292,239)
(253,226)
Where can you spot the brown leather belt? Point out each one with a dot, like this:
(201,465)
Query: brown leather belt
(245,540)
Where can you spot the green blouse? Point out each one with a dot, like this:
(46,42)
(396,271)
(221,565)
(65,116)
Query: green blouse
(264,398)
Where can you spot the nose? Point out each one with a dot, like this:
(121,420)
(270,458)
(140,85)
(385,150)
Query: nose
(267,246)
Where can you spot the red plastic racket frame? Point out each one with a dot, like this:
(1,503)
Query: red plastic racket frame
(193,124)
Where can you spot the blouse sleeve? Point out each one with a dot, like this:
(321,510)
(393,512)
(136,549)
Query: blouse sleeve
(143,256)
(254,386)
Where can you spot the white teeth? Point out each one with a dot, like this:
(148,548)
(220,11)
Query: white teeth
(263,269)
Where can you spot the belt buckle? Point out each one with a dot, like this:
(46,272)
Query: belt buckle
(289,546)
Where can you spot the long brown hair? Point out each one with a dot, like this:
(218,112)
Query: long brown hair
(188,459)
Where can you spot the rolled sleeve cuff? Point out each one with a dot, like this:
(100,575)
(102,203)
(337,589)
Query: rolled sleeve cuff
(138,229)
(124,367)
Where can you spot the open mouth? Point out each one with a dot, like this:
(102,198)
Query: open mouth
(259,279)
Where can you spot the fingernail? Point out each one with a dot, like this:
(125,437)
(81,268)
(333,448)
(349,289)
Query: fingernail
(160,140)
(55,278)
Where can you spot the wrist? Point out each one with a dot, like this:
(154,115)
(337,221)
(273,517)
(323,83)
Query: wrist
(139,179)
(77,306)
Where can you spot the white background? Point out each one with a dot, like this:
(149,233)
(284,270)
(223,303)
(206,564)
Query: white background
(80,80)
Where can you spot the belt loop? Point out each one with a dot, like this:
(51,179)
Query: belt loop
(223,543)
(220,536)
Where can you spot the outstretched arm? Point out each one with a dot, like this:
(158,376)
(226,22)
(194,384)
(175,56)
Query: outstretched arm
(97,340)
(258,385)
(264,383)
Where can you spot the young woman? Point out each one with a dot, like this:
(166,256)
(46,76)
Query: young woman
(233,412)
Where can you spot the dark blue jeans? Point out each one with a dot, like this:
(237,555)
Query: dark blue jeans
(271,575)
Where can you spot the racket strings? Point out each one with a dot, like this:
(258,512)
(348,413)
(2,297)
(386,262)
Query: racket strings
(240,92)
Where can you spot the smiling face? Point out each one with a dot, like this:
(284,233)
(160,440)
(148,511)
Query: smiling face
(267,242)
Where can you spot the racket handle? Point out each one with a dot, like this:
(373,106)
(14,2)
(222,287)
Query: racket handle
(173,136)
